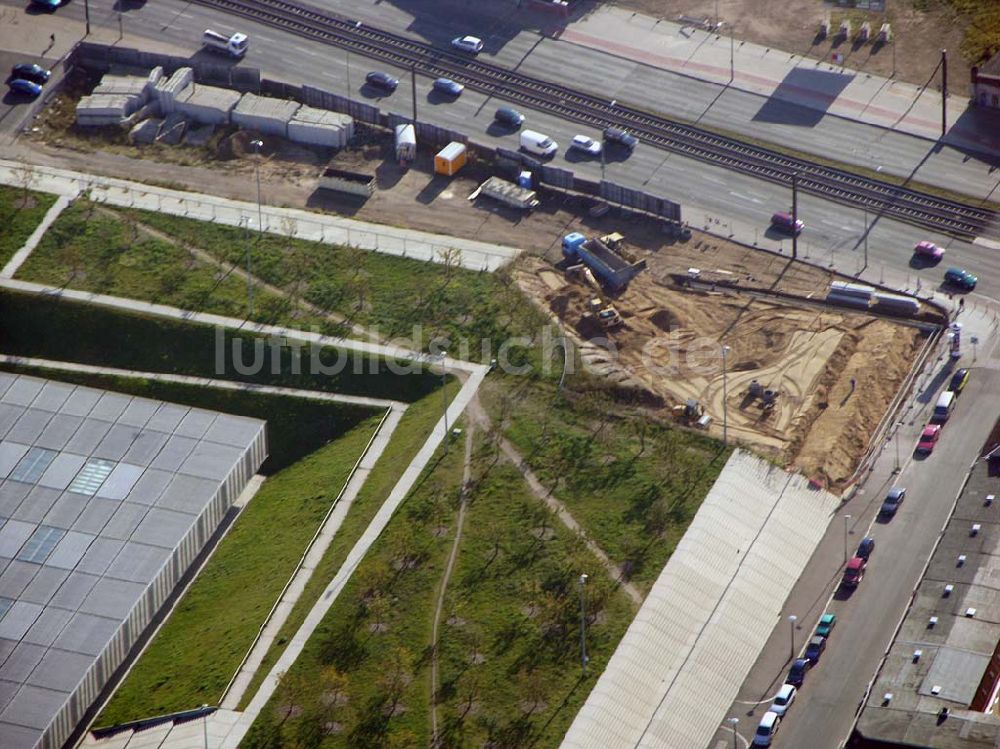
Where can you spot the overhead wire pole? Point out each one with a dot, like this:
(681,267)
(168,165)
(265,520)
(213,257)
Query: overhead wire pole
(944,92)
(795,215)
(413,86)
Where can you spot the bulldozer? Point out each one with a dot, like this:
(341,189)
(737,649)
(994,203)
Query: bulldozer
(689,413)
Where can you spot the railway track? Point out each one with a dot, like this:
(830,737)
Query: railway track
(911,206)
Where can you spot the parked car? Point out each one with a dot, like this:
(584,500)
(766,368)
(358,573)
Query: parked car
(470,44)
(826,624)
(783,699)
(588,145)
(22,86)
(766,729)
(854,572)
(960,278)
(381,80)
(619,137)
(928,438)
(784,222)
(959,380)
(865,549)
(892,501)
(928,250)
(29,71)
(47,4)
(797,673)
(448,86)
(815,648)
(509,116)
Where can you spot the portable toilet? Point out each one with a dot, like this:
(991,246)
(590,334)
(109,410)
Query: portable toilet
(571,242)
(524,180)
(450,159)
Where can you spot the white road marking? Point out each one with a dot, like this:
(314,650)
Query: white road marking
(744,197)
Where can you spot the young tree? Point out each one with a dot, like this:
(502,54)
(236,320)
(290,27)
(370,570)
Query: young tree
(396,676)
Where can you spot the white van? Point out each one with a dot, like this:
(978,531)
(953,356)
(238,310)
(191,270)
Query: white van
(945,405)
(766,729)
(538,143)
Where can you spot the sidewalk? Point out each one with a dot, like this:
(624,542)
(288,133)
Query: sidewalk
(316,227)
(773,73)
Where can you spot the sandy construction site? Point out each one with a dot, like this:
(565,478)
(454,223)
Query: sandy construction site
(833,372)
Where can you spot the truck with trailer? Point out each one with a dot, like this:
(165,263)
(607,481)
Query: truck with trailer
(611,267)
(352,183)
(235,45)
(507,193)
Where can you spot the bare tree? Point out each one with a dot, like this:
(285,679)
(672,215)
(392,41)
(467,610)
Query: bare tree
(397,674)
(26,178)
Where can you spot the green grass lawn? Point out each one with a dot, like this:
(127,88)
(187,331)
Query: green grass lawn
(391,294)
(91,248)
(53,328)
(510,663)
(633,483)
(20,214)
(199,648)
(409,437)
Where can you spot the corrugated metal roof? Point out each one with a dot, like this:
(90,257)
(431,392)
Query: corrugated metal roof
(683,659)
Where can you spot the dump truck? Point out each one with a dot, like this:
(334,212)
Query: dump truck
(612,268)
(234,45)
(353,183)
(507,193)
(406,144)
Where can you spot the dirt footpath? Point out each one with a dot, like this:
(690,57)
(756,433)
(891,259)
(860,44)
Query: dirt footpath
(791,25)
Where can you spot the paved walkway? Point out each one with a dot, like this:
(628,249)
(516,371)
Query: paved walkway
(770,72)
(317,227)
(36,236)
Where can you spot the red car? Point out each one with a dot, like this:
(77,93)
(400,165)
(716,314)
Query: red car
(928,438)
(929,250)
(854,573)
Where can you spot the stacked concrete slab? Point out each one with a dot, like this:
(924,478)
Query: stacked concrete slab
(208,105)
(168,90)
(106,109)
(270,116)
(320,127)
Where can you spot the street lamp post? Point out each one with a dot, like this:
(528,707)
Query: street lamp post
(791,627)
(866,236)
(204,723)
(257,144)
(348,51)
(734,722)
(846,518)
(444,394)
(583,623)
(725,398)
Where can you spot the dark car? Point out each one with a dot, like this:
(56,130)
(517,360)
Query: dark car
(815,648)
(787,223)
(865,548)
(31,72)
(617,136)
(797,673)
(381,80)
(960,278)
(448,86)
(892,501)
(21,86)
(959,380)
(509,116)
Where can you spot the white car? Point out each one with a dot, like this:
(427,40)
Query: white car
(783,699)
(471,44)
(585,144)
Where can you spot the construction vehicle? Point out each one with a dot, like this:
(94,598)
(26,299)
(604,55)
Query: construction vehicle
(606,315)
(691,414)
(607,263)
(581,272)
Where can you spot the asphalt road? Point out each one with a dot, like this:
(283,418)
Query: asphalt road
(710,195)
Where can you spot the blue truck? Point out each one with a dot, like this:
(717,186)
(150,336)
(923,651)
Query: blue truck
(611,268)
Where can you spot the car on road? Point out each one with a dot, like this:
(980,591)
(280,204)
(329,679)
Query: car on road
(22,86)
(29,71)
(928,438)
(382,80)
(815,648)
(783,699)
(958,381)
(854,572)
(47,4)
(797,673)
(619,137)
(961,278)
(471,44)
(509,116)
(585,144)
(826,624)
(766,729)
(892,501)
(928,250)
(784,222)
(448,86)
(865,549)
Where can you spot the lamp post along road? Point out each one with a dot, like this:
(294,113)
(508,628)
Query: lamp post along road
(734,722)
(725,398)
(846,518)
(583,623)
(258,145)
(444,395)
